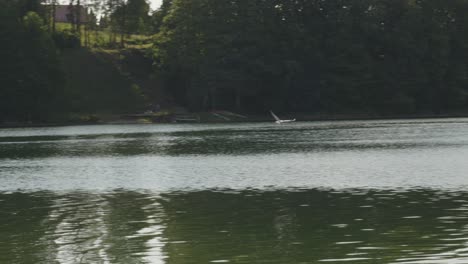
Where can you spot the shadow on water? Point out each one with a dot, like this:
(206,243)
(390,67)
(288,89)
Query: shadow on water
(331,192)
(250,226)
(232,140)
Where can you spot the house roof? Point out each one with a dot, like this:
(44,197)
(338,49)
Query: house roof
(67,13)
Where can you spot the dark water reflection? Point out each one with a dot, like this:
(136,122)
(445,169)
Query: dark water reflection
(288,226)
(318,192)
(357,154)
(239,139)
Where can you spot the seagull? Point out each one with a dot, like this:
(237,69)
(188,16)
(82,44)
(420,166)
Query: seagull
(279,121)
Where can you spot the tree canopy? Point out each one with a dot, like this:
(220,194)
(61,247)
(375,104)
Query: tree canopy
(333,56)
(376,57)
(30,76)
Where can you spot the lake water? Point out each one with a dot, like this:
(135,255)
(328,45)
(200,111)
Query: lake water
(392,191)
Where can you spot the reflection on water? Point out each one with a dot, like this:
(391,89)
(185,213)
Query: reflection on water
(252,226)
(238,139)
(358,154)
(318,192)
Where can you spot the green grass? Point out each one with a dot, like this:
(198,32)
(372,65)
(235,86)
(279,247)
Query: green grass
(97,82)
(102,38)
(96,85)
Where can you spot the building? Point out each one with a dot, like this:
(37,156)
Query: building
(69,14)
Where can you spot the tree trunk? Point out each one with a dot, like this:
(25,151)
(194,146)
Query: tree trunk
(78,17)
(54,13)
(48,11)
(72,14)
(86,35)
(122,26)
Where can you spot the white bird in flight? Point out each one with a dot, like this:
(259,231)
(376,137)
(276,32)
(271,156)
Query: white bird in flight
(279,121)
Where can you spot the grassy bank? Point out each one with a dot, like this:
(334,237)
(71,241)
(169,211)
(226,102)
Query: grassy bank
(105,38)
(96,85)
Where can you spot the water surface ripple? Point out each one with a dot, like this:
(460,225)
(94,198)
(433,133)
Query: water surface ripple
(311,192)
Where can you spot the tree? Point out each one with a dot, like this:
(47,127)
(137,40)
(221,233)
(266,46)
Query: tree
(137,16)
(158,15)
(333,56)
(31,78)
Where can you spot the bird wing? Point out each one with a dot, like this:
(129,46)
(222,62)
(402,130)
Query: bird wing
(274,116)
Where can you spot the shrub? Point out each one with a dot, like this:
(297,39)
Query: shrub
(66,39)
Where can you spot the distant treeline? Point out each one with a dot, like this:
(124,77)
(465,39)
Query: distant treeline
(314,56)
(328,56)
(31,81)
(45,75)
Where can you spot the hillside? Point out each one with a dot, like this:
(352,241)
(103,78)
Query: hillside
(98,83)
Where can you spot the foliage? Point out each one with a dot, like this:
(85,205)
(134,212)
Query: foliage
(138,16)
(128,17)
(96,85)
(44,75)
(66,39)
(30,70)
(333,56)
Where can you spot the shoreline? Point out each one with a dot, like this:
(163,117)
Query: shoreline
(249,119)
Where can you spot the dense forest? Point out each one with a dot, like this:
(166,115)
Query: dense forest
(329,56)
(30,76)
(52,71)
(380,57)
